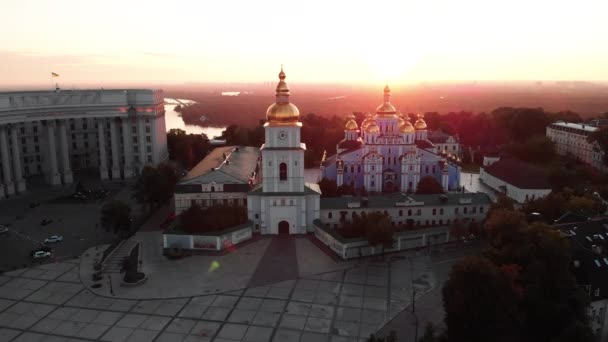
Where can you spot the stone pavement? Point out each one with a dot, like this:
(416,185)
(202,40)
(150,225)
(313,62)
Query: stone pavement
(49,303)
(279,263)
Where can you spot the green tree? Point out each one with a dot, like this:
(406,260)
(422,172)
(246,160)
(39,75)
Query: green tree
(429,185)
(187,149)
(345,189)
(116,217)
(155,185)
(479,303)
(379,230)
(458,229)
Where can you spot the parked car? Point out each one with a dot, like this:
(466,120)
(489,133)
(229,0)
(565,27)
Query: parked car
(41,254)
(3,229)
(53,239)
(46,222)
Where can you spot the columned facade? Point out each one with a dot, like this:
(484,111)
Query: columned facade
(9,186)
(57,134)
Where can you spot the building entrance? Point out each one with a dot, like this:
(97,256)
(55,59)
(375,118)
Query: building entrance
(283,228)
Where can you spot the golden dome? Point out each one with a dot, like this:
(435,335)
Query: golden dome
(386,109)
(420,123)
(406,127)
(372,128)
(368,119)
(400,121)
(282,112)
(351,125)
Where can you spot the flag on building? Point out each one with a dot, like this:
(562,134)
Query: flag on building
(54,74)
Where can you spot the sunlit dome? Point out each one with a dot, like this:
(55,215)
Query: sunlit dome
(282,112)
(351,125)
(372,128)
(406,127)
(386,109)
(420,123)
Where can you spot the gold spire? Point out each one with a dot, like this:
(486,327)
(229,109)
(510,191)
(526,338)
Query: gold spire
(282,112)
(386,109)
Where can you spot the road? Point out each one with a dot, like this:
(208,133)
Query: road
(75,221)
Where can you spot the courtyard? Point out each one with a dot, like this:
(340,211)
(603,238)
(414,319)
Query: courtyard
(50,303)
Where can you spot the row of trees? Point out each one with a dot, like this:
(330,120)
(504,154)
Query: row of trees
(187,149)
(376,226)
(198,220)
(155,185)
(520,289)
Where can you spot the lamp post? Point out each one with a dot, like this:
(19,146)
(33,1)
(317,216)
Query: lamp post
(111,287)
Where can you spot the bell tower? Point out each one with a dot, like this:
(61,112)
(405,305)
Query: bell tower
(283,152)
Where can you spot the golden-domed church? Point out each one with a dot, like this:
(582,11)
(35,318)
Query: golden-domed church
(386,153)
(283,203)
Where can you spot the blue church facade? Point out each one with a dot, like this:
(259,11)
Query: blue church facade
(386,153)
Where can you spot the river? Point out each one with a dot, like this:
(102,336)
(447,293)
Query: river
(174,119)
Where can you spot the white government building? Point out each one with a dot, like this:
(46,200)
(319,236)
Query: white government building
(571,138)
(55,133)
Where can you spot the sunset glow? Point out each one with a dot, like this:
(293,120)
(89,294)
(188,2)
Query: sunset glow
(319,41)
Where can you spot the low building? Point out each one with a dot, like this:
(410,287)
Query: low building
(590,265)
(518,180)
(408,210)
(571,139)
(222,177)
(445,143)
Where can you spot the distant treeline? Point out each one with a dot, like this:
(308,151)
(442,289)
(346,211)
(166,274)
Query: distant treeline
(476,131)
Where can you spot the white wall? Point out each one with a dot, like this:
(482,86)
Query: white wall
(513,192)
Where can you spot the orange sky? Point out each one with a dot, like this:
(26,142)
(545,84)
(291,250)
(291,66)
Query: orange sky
(317,40)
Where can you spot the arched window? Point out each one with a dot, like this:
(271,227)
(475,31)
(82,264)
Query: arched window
(283,171)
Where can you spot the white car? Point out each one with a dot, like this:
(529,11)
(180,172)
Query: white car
(41,255)
(53,239)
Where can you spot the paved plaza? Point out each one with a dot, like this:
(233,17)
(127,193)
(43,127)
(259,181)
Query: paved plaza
(49,303)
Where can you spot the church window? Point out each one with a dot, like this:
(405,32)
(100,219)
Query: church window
(400,212)
(455,210)
(465,210)
(282,202)
(433,222)
(212,188)
(434,211)
(373,168)
(427,169)
(290,202)
(409,212)
(257,216)
(481,209)
(474,210)
(329,215)
(283,171)
(373,184)
(269,163)
(395,160)
(296,163)
(352,168)
(441,211)
(440,222)
(389,150)
(411,168)
(433,168)
(358,168)
(419,212)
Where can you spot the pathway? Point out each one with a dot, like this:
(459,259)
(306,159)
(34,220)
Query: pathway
(279,263)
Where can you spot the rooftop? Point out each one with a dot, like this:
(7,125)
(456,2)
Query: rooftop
(590,254)
(580,126)
(236,168)
(518,174)
(404,200)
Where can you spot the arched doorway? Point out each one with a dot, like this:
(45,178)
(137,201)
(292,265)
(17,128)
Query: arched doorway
(283,228)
